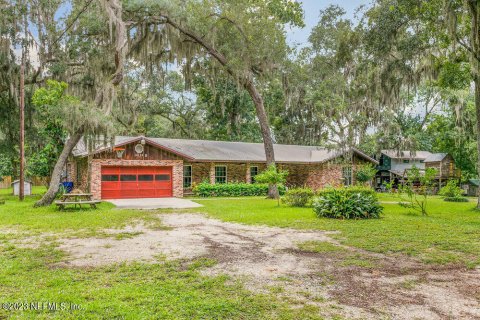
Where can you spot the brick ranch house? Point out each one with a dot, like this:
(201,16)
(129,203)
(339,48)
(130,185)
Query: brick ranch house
(143,167)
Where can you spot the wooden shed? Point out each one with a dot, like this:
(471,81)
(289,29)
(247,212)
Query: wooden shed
(27,187)
(471,187)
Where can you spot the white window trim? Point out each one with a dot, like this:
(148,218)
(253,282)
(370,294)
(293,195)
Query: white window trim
(350,178)
(191,175)
(226,173)
(250,173)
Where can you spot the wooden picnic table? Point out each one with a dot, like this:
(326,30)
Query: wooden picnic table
(76,199)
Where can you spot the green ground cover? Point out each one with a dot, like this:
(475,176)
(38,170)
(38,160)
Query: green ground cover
(449,234)
(24,217)
(173,289)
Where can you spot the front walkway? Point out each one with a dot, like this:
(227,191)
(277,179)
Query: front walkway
(154,203)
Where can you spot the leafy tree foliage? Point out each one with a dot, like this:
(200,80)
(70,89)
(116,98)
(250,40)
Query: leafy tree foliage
(415,191)
(451,190)
(273,177)
(364,174)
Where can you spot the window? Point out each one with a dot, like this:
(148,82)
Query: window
(187,176)
(253,173)
(406,161)
(145,177)
(109,177)
(128,177)
(220,174)
(347,176)
(162,177)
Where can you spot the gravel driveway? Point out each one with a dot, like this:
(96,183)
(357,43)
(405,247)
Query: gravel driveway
(392,287)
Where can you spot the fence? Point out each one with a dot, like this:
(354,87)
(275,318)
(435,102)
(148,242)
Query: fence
(6,182)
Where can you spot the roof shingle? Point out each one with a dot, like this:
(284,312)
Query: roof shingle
(207,150)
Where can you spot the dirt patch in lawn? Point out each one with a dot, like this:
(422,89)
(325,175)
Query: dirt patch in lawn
(339,280)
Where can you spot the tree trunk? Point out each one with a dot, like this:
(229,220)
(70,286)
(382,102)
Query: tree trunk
(266,134)
(48,197)
(249,86)
(477,110)
(113,9)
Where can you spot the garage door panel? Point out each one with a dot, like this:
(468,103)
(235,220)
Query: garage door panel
(136,182)
(110,194)
(110,170)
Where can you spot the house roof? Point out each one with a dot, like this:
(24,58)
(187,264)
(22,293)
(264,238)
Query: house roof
(397,172)
(475,182)
(436,157)
(207,150)
(402,154)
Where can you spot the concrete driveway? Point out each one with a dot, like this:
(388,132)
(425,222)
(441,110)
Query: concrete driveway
(154,203)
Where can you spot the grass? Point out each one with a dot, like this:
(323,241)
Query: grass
(86,222)
(357,261)
(32,277)
(449,234)
(164,290)
(319,247)
(178,290)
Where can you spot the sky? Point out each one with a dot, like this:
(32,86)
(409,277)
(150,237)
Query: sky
(312,10)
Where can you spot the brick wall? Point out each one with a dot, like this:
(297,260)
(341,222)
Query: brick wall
(318,176)
(323,175)
(200,171)
(71,170)
(78,173)
(236,172)
(96,166)
(315,176)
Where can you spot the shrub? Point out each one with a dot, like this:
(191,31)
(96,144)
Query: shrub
(298,197)
(346,203)
(274,177)
(365,174)
(232,189)
(350,190)
(414,192)
(451,190)
(455,199)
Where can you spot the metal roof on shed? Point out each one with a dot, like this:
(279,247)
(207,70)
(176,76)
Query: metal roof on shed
(402,154)
(436,157)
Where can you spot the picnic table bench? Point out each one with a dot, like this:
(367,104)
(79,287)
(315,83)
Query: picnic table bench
(76,199)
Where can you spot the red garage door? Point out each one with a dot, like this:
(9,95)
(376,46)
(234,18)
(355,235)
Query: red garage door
(136,182)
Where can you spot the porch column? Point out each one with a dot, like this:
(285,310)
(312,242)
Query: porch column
(247,173)
(212,173)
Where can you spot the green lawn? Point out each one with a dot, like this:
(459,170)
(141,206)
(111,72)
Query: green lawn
(176,289)
(162,290)
(136,291)
(449,234)
(22,216)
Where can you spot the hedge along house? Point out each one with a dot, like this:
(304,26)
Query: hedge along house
(142,167)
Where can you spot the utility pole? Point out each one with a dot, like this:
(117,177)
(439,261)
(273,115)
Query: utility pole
(22,128)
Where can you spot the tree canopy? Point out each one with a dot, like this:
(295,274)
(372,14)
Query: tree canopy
(402,76)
